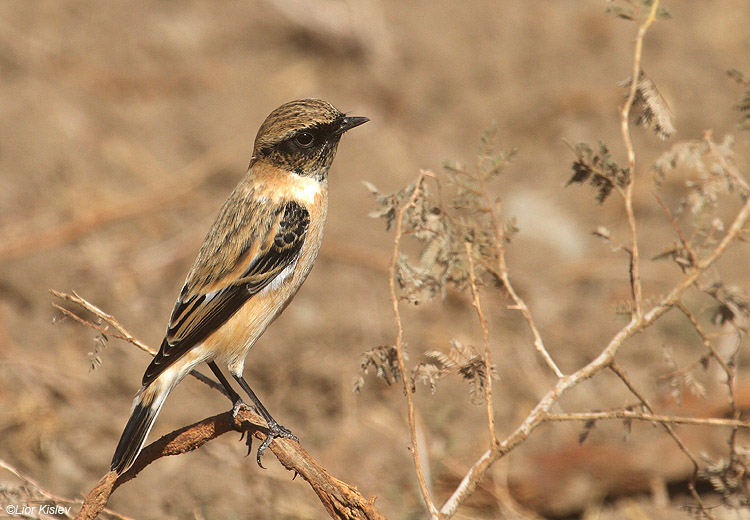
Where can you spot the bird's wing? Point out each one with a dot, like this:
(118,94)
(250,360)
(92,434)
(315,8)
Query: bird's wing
(205,303)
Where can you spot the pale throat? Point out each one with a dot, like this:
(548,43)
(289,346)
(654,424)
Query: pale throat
(304,189)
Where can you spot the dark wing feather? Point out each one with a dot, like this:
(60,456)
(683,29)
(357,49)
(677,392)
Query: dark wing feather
(195,317)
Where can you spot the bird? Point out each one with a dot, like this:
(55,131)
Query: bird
(254,259)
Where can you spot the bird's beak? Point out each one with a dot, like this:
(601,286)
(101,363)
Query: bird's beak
(349,122)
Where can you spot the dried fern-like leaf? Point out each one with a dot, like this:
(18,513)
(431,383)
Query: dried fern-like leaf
(599,169)
(743,105)
(460,359)
(733,304)
(427,374)
(728,478)
(442,232)
(388,204)
(385,362)
(695,387)
(653,111)
(95,357)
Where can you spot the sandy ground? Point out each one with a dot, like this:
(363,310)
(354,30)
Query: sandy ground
(133,121)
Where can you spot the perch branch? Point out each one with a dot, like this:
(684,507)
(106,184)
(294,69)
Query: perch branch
(339,498)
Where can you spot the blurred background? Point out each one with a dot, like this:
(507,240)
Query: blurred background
(124,126)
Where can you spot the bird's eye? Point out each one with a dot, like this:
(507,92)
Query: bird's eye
(304,139)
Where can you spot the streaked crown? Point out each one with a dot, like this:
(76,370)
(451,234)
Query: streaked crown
(302,136)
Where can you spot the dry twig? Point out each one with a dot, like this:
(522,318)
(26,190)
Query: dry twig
(637,324)
(38,490)
(398,232)
(487,352)
(647,417)
(122,334)
(625,129)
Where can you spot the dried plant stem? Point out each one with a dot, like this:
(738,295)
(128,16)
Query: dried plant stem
(502,271)
(541,411)
(635,268)
(714,353)
(487,353)
(668,426)
(520,305)
(648,417)
(398,232)
(33,485)
(122,334)
(730,382)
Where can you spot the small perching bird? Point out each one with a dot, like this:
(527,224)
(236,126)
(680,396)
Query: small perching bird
(253,260)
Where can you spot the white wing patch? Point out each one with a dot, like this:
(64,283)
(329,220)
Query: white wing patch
(280,278)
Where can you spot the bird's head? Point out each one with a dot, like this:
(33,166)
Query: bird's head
(302,136)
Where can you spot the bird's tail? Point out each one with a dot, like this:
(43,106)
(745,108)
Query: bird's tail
(146,407)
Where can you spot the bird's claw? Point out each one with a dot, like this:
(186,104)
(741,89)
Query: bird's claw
(274,430)
(238,405)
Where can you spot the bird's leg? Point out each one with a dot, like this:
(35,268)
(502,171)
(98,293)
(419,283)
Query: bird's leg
(274,428)
(237,401)
(234,396)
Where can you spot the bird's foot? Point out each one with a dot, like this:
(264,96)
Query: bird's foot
(238,405)
(275,430)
